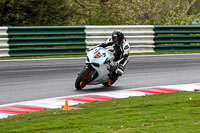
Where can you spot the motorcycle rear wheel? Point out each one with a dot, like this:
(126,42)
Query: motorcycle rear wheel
(109,83)
(80,82)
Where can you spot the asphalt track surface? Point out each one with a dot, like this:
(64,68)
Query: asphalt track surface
(24,80)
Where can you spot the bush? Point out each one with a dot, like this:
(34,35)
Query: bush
(97,12)
(35,12)
(140,12)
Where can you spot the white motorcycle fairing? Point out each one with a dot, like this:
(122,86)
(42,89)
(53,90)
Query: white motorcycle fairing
(98,58)
(97,69)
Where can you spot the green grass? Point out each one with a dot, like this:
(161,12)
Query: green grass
(163,113)
(42,57)
(72,56)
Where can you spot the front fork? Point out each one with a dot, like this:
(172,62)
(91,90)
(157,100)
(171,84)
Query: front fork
(92,75)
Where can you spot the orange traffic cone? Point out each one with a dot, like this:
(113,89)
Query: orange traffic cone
(66,107)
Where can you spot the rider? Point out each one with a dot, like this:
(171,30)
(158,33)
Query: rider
(121,53)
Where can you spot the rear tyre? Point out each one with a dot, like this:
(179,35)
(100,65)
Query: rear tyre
(109,83)
(106,84)
(114,77)
(80,82)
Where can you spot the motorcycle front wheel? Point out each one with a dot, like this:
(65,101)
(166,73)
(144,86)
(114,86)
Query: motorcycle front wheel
(81,82)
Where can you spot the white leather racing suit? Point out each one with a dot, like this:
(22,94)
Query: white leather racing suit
(121,54)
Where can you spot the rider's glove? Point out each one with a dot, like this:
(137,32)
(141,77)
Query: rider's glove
(92,48)
(101,44)
(113,66)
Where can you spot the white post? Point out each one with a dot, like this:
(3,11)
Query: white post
(4,47)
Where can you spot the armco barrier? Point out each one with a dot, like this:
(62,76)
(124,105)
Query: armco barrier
(177,38)
(70,40)
(141,38)
(44,40)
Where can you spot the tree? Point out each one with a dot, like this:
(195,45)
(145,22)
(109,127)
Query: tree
(35,12)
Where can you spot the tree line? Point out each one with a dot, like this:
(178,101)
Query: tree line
(96,12)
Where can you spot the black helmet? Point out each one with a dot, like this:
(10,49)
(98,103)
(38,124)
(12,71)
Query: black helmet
(117,36)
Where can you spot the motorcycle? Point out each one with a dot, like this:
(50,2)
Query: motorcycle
(98,68)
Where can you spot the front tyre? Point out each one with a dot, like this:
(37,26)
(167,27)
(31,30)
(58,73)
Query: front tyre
(81,82)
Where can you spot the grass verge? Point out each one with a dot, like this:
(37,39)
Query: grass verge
(72,56)
(42,57)
(171,113)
